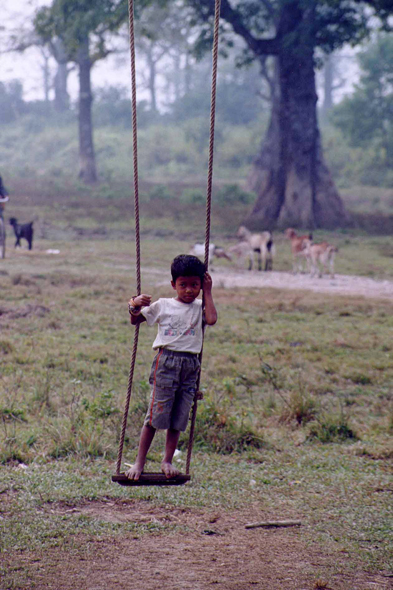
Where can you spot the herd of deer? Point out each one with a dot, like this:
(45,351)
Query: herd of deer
(306,255)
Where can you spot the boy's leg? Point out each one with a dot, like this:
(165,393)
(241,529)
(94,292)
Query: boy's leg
(187,378)
(172,437)
(145,441)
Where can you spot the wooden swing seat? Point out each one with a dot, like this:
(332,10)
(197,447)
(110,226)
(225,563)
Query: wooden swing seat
(151,479)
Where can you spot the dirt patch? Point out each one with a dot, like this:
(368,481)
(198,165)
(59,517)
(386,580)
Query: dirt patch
(205,550)
(340,285)
(122,511)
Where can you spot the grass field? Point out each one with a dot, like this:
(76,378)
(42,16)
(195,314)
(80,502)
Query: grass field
(298,411)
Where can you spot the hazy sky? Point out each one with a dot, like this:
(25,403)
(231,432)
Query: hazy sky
(17,14)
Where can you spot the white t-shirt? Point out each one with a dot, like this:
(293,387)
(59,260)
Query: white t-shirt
(179,324)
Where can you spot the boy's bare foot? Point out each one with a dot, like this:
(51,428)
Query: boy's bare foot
(134,472)
(169,470)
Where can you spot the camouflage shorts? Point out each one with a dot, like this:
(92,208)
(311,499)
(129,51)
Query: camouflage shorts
(173,381)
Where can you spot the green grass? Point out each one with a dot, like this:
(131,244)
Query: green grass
(297,415)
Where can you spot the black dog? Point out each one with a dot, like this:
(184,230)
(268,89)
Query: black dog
(22,231)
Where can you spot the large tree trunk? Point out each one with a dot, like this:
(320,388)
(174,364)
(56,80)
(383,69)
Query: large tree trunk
(62,98)
(46,75)
(177,76)
(87,166)
(290,177)
(152,79)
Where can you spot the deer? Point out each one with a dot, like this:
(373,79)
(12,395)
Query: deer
(321,257)
(299,251)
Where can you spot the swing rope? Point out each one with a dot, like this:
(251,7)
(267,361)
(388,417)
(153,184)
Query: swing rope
(208,206)
(137,225)
(137,229)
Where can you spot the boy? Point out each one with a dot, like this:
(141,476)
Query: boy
(176,366)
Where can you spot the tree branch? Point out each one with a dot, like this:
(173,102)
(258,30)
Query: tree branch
(269,7)
(259,46)
(234,18)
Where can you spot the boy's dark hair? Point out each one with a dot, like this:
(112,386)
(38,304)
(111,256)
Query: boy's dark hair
(186,265)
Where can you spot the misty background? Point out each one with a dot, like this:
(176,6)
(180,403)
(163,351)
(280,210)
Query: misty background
(40,102)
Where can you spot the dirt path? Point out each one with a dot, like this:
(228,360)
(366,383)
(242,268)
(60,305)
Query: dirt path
(340,285)
(353,286)
(206,550)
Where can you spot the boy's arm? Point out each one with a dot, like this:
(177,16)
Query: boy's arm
(135,306)
(210,309)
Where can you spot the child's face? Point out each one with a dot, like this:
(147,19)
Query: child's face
(187,288)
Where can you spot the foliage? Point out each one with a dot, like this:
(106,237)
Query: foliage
(332,428)
(14,107)
(238,99)
(354,165)
(332,24)
(193,196)
(74,22)
(11,100)
(291,31)
(383,9)
(220,428)
(112,106)
(160,192)
(366,117)
(37,147)
(232,193)
(83,27)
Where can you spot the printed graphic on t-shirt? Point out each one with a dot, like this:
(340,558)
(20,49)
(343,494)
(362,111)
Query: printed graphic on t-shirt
(179,324)
(178,327)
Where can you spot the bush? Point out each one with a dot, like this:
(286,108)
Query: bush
(161,192)
(236,148)
(193,195)
(219,431)
(232,194)
(332,428)
(301,407)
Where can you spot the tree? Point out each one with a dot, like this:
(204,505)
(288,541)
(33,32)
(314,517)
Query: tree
(241,94)
(84,28)
(21,38)
(290,176)
(158,35)
(11,100)
(332,80)
(59,53)
(112,106)
(366,117)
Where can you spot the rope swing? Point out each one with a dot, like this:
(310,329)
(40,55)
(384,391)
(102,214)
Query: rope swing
(160,478)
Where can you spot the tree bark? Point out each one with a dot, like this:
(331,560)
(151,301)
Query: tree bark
(62,99)
(293,184)
(177,76)
(87,166)
(46,76)
(152,79)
